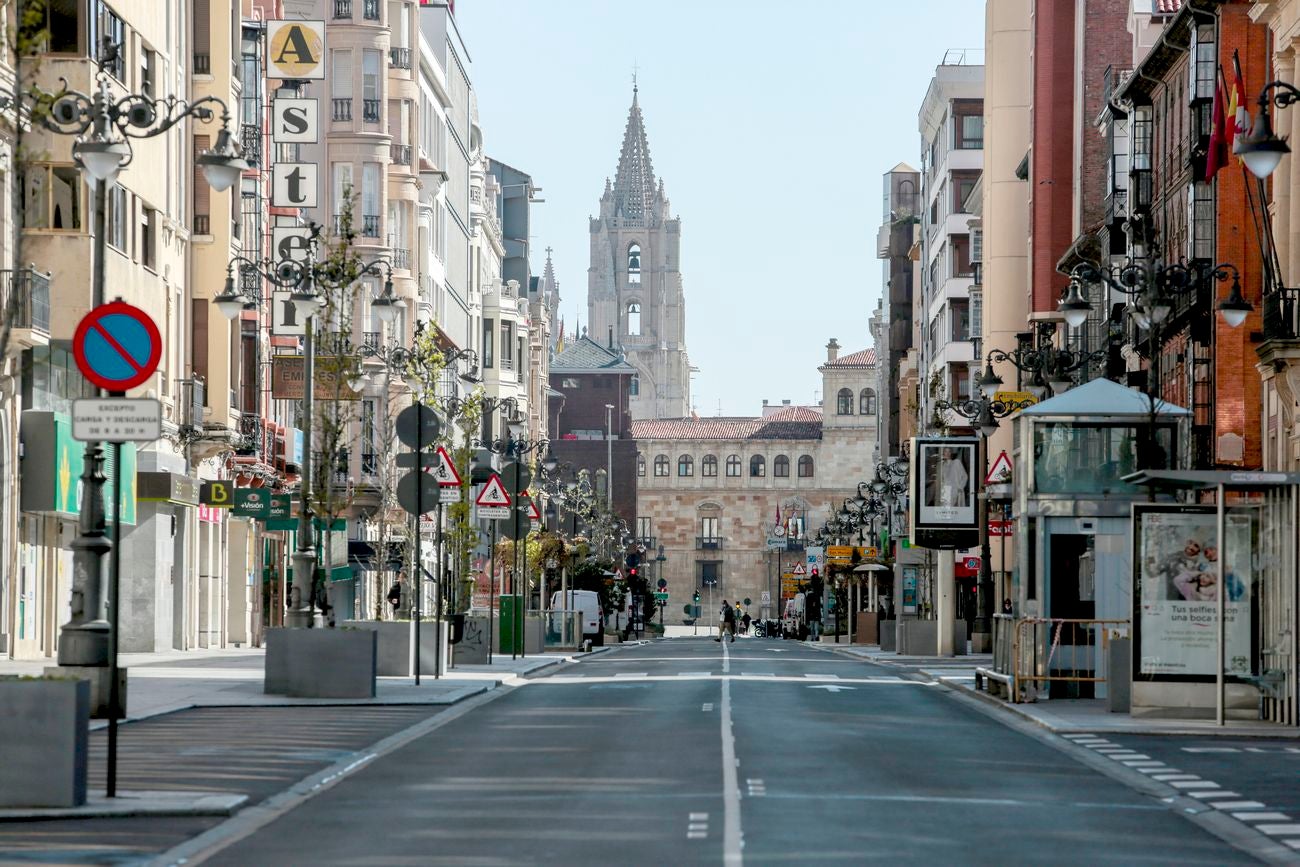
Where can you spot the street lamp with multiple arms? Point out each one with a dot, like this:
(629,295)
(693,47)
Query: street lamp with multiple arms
(104,128)
(305,279)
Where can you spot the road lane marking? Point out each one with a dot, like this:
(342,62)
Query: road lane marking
(1275,830)
(708,705)
(822,676)
(757,674)
(1236,805)
(632,674)
(731,834)
(694,673)
(831,687)
(1222,793)
(1262,817)
(1193,784)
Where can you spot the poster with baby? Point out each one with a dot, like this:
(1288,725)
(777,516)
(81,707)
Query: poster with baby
(1177,566)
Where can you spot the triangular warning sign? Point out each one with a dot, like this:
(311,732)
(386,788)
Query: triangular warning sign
(533,514)
(798,569)
(493,493)
(445,471)
(1000,472)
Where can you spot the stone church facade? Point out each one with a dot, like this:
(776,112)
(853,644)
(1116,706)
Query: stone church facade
(634,296)
(710,490)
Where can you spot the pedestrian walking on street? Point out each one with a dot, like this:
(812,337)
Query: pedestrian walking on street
(395,597)
(729,621)
(744,624)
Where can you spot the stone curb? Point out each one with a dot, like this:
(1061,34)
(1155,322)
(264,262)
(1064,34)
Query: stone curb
(128,804)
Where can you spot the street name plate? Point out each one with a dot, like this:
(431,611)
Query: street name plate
(117,419)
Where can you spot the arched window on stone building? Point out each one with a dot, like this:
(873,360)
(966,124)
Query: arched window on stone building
(733,466)
(844,402)
(806,467)
(634,263)
(757,466)
(634,319)
(640,466)
(686,465)
(867,402)
(661,465)
(709,466)
(781,467)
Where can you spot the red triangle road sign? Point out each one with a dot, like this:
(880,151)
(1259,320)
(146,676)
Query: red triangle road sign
(1000,472)
(533,514)
(445,471)
(493,493)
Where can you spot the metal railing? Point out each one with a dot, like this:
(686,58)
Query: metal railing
(371,340)
(399,58)
(342,8)
(563,629)
(401,258)
(202,63)
(370,226)
(370,10)
(1281,314)
(399,154)
(203,224)
(250,141)
(708,543)
(341,108)
(370,110)
(1031,654)
(29,291)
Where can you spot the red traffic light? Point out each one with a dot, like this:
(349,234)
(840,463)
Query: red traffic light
(632,572)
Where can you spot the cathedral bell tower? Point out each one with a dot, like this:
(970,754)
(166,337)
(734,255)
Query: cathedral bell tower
(634,291)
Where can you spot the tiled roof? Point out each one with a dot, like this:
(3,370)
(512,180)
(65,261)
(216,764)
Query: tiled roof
(864,358)
(1166,7)
(585,354)
(796,423)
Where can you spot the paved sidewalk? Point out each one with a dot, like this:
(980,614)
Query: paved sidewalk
(159,683)
(1062,716)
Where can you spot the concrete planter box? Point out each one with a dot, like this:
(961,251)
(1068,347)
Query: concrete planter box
(393,654)
(321,663)
(473,646)
(44,728)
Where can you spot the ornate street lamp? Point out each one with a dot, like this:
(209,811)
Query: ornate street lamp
(305,279)
(104,128)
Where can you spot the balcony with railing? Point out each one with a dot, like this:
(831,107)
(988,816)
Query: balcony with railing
(203,224)
(370,226)
(250,141)
(342,8)
(708,543)
(341,108)
(399,58)
(370,110)
(25,296)
(369,464)
(401,258)
(371,340)
(400,154)
(202,63)
(370,10)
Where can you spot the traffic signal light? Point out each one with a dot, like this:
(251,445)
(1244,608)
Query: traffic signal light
(697,597)
(632,572)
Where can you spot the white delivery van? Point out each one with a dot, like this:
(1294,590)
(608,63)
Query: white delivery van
(587,603)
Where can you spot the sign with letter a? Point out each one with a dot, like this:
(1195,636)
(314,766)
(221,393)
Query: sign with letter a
(293,185)
(295,49)
(295,120)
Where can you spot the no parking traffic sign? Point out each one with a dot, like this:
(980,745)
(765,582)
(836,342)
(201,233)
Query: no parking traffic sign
(117,346)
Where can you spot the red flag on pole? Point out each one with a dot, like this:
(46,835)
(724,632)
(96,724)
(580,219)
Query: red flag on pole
(1239,125)
(1217,156)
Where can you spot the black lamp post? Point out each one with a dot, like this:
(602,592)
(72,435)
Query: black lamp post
(1154,287)
(985,413)
(1262,150)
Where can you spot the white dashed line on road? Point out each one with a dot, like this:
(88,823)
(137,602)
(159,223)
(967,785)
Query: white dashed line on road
(1273,823)
(707,706)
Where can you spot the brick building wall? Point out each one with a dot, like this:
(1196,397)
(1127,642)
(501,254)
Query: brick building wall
(1052,156)
(1104,42)
(1238,392)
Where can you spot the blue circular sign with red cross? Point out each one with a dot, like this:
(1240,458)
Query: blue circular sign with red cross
(117,346)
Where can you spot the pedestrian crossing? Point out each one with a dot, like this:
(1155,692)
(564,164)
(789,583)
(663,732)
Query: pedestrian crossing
(1277,825)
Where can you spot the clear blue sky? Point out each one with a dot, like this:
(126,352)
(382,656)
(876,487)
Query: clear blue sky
(771,124)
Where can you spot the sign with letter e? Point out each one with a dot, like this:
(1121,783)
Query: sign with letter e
(295,49)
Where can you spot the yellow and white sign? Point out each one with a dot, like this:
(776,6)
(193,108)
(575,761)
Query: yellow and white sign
(296,49)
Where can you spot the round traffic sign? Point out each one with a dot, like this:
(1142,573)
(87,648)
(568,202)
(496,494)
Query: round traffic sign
(418,426)
(663,583)
(417,489)
(117,346)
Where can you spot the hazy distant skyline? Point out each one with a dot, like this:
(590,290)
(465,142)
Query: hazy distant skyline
(771,125)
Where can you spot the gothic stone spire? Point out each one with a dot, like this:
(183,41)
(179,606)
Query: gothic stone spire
(634,183)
